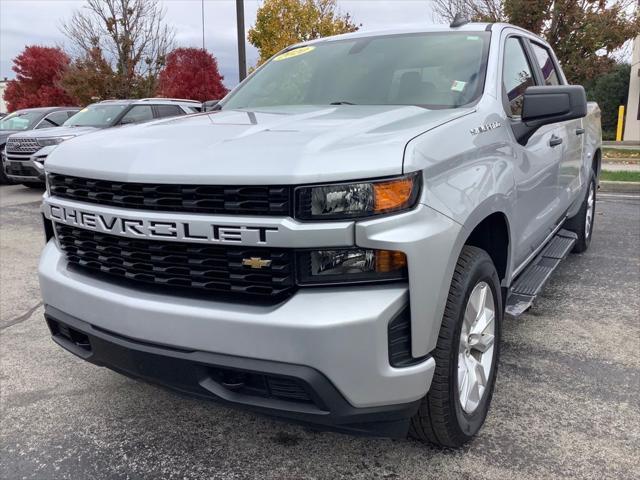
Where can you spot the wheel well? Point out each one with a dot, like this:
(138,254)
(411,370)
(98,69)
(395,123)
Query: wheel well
(492,235)
(597,156)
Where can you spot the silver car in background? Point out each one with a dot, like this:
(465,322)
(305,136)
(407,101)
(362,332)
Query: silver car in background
(25,153)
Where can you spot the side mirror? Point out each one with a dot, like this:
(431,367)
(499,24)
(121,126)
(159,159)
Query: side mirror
(546,105)
(210,105)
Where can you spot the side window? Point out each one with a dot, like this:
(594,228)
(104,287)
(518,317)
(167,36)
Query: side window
(516,74)
(71,113)
(547,66)
(138,113)
(57,117)
(169,111)
(54,119)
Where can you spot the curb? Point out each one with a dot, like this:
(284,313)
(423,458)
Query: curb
(619,187)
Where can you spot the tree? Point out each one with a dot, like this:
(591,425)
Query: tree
(89,78)
(583,33)
(131,38)
(280,23)
(191,73)
(610,91)
(38,71)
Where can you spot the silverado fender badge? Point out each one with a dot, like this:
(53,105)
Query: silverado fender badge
(485,128)
(256,262)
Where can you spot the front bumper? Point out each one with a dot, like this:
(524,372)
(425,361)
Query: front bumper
(341,332)
(295,392)
(24,171)
(26,167)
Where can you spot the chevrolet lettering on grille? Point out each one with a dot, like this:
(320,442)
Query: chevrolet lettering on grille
(161,229)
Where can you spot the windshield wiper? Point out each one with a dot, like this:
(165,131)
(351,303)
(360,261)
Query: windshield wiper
(341,103)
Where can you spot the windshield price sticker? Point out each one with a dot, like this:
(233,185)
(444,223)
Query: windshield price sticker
(293,53)
(458,86)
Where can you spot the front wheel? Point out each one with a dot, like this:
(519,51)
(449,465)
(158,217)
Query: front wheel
(582,223)
(466,355)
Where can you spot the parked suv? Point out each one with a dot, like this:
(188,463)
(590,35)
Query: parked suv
(25,153)
(339,241)
(29,119)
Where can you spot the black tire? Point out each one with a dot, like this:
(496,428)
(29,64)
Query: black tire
(4,180)
(441,419)
(578,223)
(36,186)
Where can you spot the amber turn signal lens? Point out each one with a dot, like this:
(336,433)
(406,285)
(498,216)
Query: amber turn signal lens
(390,261)
(392,195)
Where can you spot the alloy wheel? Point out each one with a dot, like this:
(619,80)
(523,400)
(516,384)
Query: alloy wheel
(475,352)
(591,203)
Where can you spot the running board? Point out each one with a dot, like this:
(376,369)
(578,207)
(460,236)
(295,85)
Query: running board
(531,281)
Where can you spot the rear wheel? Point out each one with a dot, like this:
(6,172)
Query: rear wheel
(466,355)
(582,223)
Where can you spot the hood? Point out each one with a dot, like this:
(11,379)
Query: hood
(56,132)
(5,133)
(283,145)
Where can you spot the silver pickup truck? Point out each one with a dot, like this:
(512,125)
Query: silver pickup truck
(339,242)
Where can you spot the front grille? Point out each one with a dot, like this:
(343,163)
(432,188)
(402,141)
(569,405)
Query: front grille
(22,145)
(214,270)
(212,199)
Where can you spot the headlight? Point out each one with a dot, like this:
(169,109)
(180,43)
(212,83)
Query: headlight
(361,199)
(350,265)
(47,142)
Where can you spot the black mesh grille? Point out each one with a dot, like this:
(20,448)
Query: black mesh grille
(214,199)
(262,385)
(180,266)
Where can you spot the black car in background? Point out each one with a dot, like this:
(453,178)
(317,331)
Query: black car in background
(30,119)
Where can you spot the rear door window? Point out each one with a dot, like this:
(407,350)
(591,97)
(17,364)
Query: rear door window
(168,111)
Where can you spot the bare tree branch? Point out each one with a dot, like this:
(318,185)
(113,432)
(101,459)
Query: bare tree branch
(131,34)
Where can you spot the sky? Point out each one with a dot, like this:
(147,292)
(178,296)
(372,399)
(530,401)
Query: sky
(29,22)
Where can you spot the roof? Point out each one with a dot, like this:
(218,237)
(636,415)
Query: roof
(157,100)
(407,29)
(46,109)
(419,28)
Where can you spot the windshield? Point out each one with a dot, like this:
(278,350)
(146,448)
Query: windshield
(97,115)
(20,120)
(434,70)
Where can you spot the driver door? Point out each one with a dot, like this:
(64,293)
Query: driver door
(536,164)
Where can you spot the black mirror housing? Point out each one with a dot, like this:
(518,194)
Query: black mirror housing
(547,105)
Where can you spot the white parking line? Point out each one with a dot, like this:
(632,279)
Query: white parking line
(618,195)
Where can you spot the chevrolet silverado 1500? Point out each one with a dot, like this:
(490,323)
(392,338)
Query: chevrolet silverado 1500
(337,243)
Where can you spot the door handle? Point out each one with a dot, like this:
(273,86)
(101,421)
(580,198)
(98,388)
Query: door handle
(554,141)
(579,131)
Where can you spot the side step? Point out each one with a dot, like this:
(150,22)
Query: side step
(530,282)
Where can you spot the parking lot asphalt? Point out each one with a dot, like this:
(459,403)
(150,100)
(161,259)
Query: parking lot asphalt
(566,403)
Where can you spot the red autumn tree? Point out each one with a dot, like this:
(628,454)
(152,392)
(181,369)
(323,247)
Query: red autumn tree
(38,71)
(191,73)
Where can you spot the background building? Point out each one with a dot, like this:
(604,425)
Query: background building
(3,106)
(632,121)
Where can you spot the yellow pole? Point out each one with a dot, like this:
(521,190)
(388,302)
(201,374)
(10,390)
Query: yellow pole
(620,123)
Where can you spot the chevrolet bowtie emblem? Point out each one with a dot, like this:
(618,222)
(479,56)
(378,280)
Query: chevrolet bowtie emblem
(256,262)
